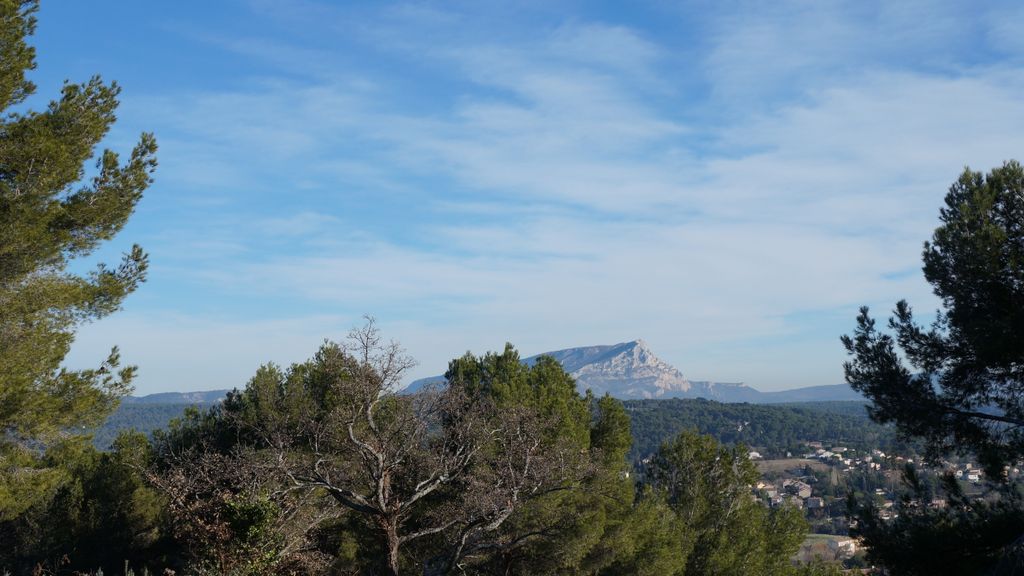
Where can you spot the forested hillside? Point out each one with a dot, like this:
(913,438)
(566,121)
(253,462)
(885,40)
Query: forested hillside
(772,429)
(145,418)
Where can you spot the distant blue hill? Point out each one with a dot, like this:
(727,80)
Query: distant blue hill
(828,393)
(206,397)
(418,385)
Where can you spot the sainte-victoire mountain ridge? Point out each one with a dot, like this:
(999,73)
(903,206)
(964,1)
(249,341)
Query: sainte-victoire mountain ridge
(631,370)
(627,371)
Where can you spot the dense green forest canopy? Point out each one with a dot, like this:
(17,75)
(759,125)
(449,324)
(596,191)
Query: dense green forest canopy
(771,429)
(144,418)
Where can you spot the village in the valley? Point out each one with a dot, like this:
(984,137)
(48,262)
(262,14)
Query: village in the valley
(819,480)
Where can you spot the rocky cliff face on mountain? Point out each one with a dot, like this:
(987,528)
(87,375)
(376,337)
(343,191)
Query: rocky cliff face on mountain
(626,370)
(630,370)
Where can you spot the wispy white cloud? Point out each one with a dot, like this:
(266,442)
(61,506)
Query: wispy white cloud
(762,54)
(184,352)
(617,48)
(545,193)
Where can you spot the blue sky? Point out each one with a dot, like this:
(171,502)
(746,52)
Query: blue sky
(728,180)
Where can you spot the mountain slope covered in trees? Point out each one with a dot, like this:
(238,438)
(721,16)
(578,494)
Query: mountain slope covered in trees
(772,429)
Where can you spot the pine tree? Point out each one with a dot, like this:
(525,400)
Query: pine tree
(957,385)
(961,386)
(51,214)
(724,530)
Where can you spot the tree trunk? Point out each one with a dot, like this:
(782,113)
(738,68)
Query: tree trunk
(390,527)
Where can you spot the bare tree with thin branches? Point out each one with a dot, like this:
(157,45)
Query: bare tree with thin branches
(446,467)
(348,433)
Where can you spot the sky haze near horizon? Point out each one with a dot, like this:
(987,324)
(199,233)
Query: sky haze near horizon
(729,181)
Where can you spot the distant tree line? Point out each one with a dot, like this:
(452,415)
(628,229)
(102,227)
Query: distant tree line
(144,418)
(772,429)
